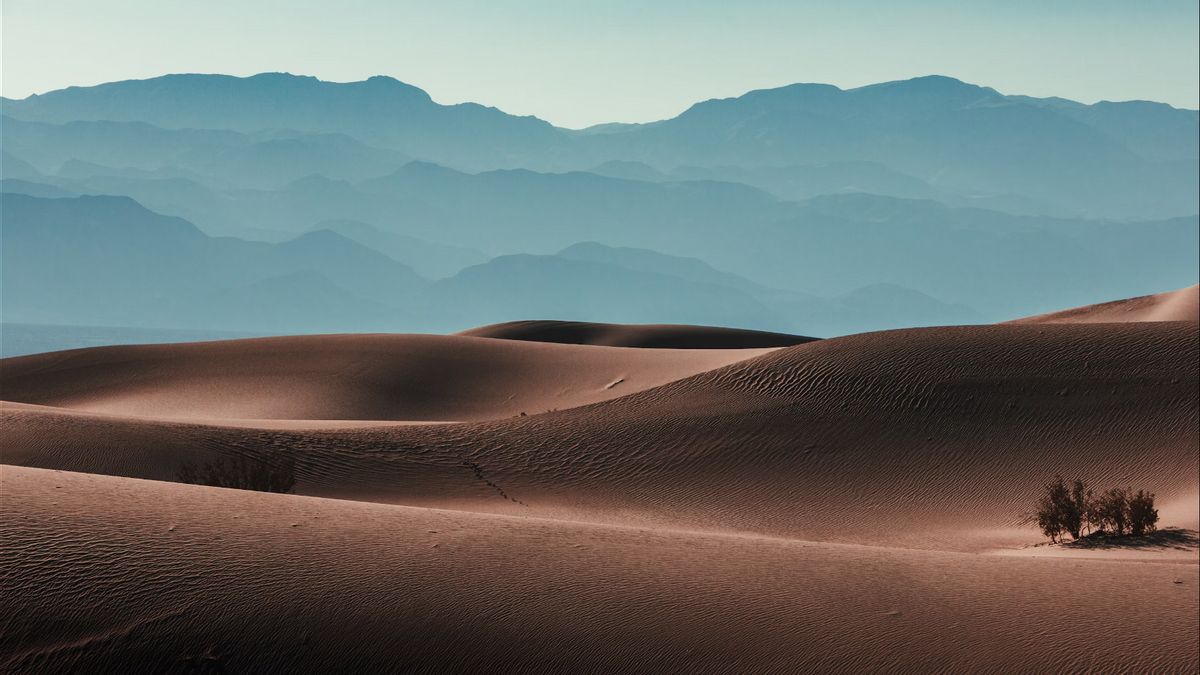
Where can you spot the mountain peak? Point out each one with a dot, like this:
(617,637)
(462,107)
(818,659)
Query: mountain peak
(282,91)
(939,81)
(282,76)
(930,85)
(799,91)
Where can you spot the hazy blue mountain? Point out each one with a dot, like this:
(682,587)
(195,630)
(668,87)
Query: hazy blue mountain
(33,189)
(1001,265)
(754,211)
(381,111)
(205,207)
(12,166)
(361,270)
(553,287)
(304,301)
(803,181)
(133,144)
(886,306)
(79,169)
(646,260)
(997,264)
(110,261)
(1154,130)
(17,339)
(276,161)
(826,246)
(616,168)
(526,211)
(262,159)
(430,260)
(956,136)
(969,144)
(873,307)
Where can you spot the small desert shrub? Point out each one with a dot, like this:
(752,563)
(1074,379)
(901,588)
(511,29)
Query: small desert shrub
(276,474)
(1056,511)
(1070,510)
(1113,510)
(1143,517)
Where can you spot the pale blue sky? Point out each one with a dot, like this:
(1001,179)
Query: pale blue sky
(577,62)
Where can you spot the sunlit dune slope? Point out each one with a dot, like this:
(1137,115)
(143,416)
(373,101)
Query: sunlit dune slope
(179,578)
(1180,305)
(345,377)
(929,438)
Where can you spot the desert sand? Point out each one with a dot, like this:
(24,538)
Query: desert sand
(1180,305)
(668,336)
(848,504)
(347,377)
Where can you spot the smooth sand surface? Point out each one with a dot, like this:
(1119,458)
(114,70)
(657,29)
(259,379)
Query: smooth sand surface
(1180,305)
(849,504)
(187,578)
(660,336)
(345,377)
(881,438)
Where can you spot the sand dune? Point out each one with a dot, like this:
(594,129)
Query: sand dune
(1180,305)
(833,505)
(185,578)
(928,438)
(345,377)
(662,336)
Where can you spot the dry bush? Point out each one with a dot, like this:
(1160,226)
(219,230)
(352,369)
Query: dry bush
(1116,512)
(1143,517)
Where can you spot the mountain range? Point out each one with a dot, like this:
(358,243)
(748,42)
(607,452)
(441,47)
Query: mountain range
(280,203)
(1125,160)
(109,261)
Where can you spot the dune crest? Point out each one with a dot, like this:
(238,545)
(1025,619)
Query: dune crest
(829,506)
(346,377)
(1180,305)
(660,336)
(842,440)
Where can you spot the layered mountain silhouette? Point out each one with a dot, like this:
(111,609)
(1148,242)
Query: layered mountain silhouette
(1128,160)
(108,261)
(708,403)
(1105,160)
(807,208)
(381,110)
(264,159)
(874,307)
(427,258)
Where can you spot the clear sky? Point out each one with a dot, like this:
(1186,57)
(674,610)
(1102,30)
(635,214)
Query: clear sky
(580,62)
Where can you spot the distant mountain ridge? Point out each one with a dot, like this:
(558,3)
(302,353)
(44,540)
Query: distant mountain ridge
(305,205)
(1127,160)
(998,264)
(379,110)
(960,137)
(109,261)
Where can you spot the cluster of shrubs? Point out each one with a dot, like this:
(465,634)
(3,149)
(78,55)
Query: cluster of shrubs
(277,474)
(1077,511)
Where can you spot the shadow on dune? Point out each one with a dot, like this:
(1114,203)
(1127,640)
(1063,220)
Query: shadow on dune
(660,336)
(1170,537)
